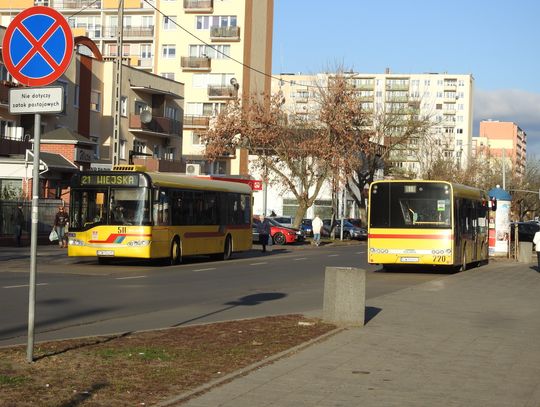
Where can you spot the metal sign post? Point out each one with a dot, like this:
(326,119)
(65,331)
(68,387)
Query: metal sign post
(33,240)
(36,50)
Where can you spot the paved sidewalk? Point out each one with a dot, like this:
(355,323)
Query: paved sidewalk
(468,339)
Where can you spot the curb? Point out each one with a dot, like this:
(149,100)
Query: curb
(198,391)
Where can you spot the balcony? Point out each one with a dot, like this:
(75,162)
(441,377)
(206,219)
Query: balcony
(397,86)
(13,142)
(222,92)
(158,126)
(450,85)
(192,121)
(74,4)
(198,6)
(225,33)
(129,32)
(159,164)
(5,86)
(196,63)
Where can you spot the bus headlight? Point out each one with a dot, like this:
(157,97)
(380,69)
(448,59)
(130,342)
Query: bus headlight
(379,251)
(139,243)
(75,242)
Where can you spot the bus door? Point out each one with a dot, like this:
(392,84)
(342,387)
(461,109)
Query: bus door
(160,232)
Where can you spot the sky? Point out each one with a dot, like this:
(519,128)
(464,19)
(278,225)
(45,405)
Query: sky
(495,41)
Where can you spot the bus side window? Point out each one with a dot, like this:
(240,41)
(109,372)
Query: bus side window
(161,208)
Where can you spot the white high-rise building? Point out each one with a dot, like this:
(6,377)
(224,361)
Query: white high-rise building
(445,98)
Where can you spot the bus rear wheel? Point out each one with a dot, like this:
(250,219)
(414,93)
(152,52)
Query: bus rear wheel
(227,251)
(176,254)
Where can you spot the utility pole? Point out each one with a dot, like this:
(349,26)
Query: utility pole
(115,153)
(503,170)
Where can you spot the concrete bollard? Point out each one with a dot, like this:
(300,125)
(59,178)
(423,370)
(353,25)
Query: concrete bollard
(344,295)
(525,252)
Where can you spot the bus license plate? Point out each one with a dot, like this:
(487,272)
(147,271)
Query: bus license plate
(105,252)
(409,259)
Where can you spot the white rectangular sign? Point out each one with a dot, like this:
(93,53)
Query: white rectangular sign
(36,100)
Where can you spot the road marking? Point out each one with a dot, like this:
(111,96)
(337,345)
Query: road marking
(257,264)
(301,258)
(333,255)
(23,285)
(130,278)
(210,268)
(359,252)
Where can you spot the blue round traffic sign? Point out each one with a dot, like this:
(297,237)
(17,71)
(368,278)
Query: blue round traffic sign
(37,46)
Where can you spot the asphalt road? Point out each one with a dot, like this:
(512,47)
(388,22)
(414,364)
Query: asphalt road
(78,297)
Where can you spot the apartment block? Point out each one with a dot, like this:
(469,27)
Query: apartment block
(80,136)
(445,98)
(216,48)
(503,140)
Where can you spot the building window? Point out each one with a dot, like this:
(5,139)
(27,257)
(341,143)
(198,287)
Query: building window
(171,112)
(206,22)
(156,153)
(145,51)
(196,139)
(168,75)
(95,146)
(168,51)
(169,23)
(123,106)
(95,101)
(139,146)
(122,149)
(213,52)
(170,153)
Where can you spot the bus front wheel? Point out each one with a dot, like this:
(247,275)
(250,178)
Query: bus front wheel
(176,255)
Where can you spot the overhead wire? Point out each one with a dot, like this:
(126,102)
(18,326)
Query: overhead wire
(224,54)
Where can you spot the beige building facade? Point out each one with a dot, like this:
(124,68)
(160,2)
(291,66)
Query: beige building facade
(503,140)
(216,48)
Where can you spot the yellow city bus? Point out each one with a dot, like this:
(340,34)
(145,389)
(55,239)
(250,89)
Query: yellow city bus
(128,212)
(427,223)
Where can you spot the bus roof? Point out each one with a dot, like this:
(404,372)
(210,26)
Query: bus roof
(458,189)
(188,181)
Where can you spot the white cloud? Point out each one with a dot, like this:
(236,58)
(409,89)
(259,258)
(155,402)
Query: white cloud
(518,106)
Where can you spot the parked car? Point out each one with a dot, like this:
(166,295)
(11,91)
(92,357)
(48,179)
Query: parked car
(280,234)
(307,227)
(355,221)
(349,230)
(526,230)
(286,221)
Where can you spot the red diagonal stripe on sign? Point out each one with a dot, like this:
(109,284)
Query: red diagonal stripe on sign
(37,46)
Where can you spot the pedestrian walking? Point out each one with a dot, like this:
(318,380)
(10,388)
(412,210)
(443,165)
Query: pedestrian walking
(316,225)
(61,221)
(536,241)
(18,222)
(264,229)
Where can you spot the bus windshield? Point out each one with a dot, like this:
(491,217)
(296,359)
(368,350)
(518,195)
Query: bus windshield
(410,205)
(109,206)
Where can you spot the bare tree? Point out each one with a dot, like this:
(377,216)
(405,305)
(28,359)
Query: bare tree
(292,151)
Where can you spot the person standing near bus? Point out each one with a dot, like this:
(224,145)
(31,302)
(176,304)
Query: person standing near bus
(317,225)
(536,241)
(60,222)
(264,229)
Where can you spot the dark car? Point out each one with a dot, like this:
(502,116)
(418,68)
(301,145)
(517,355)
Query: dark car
(355,221)
(280,234)
(526,231)
(349,230)
(307,227)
